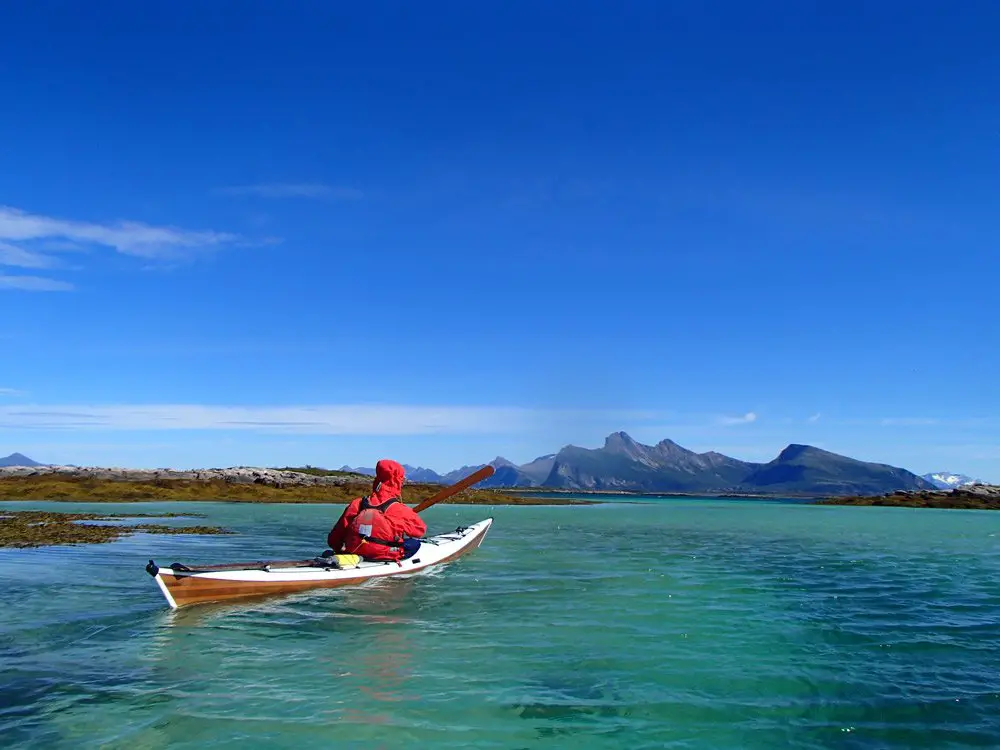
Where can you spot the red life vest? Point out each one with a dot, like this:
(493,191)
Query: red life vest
(370,533)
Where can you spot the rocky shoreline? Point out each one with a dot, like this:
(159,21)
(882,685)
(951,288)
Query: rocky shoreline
(232,475)
(234,484)
(971,497)
(316,485)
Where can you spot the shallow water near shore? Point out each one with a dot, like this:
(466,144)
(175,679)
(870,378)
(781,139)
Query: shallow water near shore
(678,623)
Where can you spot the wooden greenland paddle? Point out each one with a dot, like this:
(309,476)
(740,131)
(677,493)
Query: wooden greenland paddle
(483,473)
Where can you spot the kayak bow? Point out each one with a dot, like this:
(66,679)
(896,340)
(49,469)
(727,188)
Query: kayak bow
(183,585)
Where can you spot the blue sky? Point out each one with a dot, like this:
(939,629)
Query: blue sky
(270,233)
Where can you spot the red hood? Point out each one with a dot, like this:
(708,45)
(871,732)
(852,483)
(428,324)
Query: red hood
(388,483)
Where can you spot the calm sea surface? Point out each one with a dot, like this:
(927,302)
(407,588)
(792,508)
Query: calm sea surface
(666,624)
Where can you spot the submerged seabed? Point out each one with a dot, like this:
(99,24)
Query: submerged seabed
(676,623)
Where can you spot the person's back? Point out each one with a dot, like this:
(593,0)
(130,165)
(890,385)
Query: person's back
(376,526)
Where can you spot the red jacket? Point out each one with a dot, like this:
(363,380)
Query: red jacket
(391,524)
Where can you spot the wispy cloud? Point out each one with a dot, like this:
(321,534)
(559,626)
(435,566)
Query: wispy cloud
(815,417)
(19,257)
(293,190)
(908,422)
(13,256)
(24,235)
(34,284)
(319,419)
(12,392)
(744,419)
(126,237)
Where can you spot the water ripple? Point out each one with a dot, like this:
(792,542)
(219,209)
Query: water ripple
(696,624)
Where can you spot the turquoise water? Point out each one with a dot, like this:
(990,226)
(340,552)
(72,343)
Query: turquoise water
(671,624)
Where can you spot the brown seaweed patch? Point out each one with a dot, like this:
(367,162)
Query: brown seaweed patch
(32,528)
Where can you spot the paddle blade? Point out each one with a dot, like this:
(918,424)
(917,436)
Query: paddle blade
(483,473)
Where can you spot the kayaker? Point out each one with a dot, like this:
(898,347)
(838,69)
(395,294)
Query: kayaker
(379,526)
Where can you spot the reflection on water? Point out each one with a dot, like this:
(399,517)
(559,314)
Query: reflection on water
(373,626)
(369,602)
(380,674)
(380,667)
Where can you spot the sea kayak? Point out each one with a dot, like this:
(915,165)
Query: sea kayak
(184,585)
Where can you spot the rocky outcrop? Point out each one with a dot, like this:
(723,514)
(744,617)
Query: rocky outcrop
(233,475)
(969,497)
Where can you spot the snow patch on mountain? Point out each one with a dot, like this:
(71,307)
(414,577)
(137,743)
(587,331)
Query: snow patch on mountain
(946,480)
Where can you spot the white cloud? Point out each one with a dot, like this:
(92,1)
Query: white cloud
(745,419)
(12,392)
(126,237)
(34,284)
(12,255)
(319,420)
(815,417)
(293,190)
(908,422)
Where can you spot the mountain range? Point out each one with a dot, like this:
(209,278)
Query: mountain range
(623,464)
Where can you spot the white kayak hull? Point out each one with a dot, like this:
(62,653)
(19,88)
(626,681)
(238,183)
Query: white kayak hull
(183,586)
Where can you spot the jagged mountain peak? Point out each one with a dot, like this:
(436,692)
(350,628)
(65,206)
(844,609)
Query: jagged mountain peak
(620,438)
(667,447)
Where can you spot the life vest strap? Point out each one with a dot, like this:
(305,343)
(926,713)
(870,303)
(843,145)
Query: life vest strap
(365,504)
(385,542)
